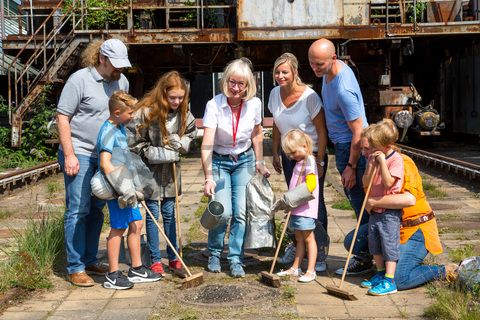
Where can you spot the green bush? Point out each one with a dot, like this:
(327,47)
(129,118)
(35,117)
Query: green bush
(34,133)
(98,19)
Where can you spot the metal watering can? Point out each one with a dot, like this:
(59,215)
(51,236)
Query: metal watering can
(212,215)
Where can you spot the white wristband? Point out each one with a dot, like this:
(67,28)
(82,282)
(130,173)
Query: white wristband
(212,181)
(262,162)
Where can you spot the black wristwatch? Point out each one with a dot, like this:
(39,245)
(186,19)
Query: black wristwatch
(351,166)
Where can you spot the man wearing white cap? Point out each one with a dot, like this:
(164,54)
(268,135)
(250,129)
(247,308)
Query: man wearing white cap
(81,110)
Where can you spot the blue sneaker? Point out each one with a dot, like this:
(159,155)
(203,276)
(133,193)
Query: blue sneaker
(383,288)
(214,264)
(373,281)
(236,270)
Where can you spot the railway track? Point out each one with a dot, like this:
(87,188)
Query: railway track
(19,178)
(459,167)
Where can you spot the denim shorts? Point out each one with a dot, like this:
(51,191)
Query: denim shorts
(384,234)
(301,223)
(121,218)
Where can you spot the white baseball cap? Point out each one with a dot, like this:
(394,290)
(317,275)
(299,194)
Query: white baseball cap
(116,51)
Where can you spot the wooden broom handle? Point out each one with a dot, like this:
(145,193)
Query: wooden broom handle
(166,238)
(358,225)
(177,211)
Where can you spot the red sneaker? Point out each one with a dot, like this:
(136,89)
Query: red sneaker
(175,265)
(157,267)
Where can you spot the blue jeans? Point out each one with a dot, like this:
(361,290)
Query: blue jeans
(321,233)
(169,225)
(232,179)
(83,217)
(410,271)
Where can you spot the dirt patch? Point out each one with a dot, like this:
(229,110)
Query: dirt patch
(229,295)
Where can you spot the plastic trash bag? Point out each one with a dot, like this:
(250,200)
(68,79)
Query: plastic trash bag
(260,231)
(469,272)
(142,176)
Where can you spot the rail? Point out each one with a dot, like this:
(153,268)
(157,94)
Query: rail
(10,180)
(450,164)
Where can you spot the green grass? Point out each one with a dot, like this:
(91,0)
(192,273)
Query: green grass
(432,190)
(29,264)
(452,302)
(342,204)
(5,214)
(53,187)
(288,293)
(458,254)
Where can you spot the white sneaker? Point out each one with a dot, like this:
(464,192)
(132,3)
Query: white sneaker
(289,255)
(307,277)
(290,272)
(320,266)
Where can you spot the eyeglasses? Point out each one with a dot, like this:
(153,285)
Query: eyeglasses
(233,83)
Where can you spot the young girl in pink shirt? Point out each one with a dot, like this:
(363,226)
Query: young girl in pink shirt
(298,146)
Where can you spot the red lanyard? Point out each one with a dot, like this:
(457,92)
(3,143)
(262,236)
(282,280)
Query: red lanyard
(235,125)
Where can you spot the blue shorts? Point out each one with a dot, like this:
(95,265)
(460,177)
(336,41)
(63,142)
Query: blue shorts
(301,223)
(384,234)
(121,218)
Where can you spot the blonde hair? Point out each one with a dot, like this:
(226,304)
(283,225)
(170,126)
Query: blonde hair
(292,61)
(157,103)
(295,139)
(381,134)
(241,68)
(90,56)
(120,100)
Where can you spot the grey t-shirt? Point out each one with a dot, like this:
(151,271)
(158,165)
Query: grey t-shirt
(85,100)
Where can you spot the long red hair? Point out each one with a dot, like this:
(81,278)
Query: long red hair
(157,103)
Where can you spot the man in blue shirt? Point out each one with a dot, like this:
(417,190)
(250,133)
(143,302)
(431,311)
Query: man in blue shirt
(345,117)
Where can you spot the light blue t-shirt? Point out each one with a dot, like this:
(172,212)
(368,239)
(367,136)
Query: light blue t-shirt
(343,102)
(111,136)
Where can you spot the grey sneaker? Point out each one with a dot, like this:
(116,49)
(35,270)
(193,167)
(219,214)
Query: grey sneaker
(143,274)
(289,255)
(236,270)
(356,266)
(117,281)
(214,264)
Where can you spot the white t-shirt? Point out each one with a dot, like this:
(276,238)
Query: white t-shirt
(218,115)
(299,115)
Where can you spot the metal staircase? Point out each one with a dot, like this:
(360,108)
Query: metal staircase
(55,54)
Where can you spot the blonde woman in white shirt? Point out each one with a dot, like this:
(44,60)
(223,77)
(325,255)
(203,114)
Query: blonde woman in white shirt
(231,154)
(294,105)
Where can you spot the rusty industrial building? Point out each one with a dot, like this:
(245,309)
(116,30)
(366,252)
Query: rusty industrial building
(399,49)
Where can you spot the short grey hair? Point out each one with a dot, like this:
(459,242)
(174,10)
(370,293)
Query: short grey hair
(240,68)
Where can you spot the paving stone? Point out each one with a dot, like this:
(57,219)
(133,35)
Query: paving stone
(362,311)
(75,314)
(319,311)
(126,314)
(96,292)
(152,291)
(83,304)
(22,315)
(36,305)
(55,295)
(146,301)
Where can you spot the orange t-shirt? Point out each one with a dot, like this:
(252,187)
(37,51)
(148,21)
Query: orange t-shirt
(413,185)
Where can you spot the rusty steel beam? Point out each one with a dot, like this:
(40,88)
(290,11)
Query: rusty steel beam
(170,37)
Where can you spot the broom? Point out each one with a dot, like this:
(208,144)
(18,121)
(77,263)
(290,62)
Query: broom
(344,294)
(268,277)
(193,280)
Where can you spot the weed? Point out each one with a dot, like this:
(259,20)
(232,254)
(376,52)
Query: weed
(449,216)
(342,204)
(204,199)
(458,254)
(53,187)
(178,311)
(5,214)
(432,190)
(403,312)
(451,302)
(30,265)
(288,293)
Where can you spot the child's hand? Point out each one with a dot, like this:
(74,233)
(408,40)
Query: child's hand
(379,156)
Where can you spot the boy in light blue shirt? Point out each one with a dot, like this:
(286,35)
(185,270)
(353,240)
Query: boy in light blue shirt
(124,211)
